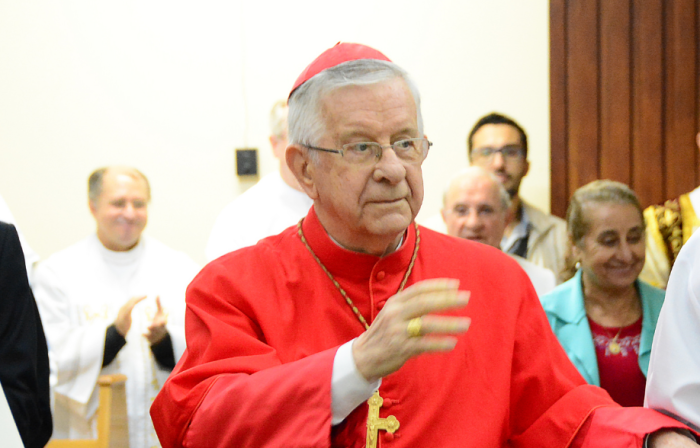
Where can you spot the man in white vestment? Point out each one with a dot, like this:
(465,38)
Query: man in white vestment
(113,303)
(267,208)
(30,257)
(673,382)
(477,207)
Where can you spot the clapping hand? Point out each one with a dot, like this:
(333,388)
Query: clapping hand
(156,330)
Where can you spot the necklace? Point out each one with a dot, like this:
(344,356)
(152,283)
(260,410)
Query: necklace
(340,288)
(614,346)
(374,422)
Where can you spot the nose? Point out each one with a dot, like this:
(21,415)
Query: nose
(498,161)
(389,168)
(129,210)
(625,252)
(471,220)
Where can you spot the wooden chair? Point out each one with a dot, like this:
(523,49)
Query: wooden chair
(112,420)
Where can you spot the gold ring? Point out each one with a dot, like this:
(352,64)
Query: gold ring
(414,327)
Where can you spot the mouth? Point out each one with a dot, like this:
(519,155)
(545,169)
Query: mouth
(503,177)
(476,238)
(624,270)
(389,201)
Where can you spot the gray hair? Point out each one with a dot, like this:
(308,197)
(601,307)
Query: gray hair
(476,172)
(278,119)
(96,179)
(599,191)
(306,124)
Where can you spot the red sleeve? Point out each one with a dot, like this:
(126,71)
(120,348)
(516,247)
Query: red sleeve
(550,400)
(231,389)
(622,427)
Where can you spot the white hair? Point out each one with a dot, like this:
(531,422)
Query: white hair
(473,172)
(307,126)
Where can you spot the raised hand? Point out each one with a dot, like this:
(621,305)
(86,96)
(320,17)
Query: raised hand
(156,330)
(123,321)
(390,341)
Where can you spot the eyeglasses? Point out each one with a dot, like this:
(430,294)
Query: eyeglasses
(410,150)
(508,152)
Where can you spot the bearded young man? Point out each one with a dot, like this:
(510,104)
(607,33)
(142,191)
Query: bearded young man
(349,330)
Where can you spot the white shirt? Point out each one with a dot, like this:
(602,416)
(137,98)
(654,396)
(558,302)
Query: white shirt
(519,231)
(266,209)
(79,291)
(673,380)
(542,279)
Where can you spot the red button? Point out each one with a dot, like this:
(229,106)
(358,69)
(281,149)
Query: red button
(381,275)
(388,437)
(381,304)
(387,403)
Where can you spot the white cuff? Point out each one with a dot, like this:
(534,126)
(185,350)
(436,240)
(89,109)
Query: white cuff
(349,389)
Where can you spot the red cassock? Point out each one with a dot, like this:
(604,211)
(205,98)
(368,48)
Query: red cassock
(263,325)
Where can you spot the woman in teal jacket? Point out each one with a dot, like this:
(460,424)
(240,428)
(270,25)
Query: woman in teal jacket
(605,317)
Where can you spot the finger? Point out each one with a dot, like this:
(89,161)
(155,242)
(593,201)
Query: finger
(431,344)
(160,308)
(427,286)
(434,302)
(134,300)
(442,325)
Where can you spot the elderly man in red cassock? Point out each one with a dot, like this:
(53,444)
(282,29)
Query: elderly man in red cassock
(350,329)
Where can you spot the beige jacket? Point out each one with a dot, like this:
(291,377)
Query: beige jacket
(548,240)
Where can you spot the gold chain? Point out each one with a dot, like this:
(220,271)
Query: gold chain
(352,306)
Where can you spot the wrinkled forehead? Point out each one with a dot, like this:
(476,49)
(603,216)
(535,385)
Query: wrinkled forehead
(608,212)
(386,101)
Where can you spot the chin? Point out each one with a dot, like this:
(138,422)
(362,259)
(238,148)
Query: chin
(391,224)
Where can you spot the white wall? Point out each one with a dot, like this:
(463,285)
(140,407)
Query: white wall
(172,87)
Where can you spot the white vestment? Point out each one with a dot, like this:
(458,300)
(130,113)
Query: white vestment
(30,257)
(542,279)
(79,291)
(266,209)
(673,380)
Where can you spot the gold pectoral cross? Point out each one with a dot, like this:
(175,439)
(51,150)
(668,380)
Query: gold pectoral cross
(374,423)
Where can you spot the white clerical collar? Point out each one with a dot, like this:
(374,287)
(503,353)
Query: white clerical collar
(126,257)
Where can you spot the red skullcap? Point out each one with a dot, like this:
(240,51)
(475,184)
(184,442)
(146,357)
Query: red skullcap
(341,52)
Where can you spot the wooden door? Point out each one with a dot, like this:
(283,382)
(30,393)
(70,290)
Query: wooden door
(625,100)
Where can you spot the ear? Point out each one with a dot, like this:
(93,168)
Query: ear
(303,169)
(274,144)
(527,168)
(697,140)
(443,212)
(575,250)
(93,208)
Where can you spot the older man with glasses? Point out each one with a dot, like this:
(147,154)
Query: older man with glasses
(348,330)
(499,144)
